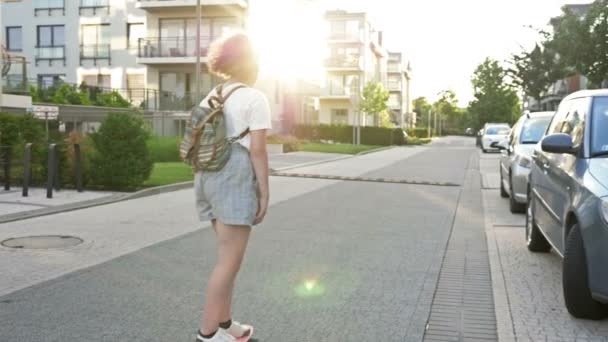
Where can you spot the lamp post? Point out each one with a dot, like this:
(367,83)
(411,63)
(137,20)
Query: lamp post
(198,52)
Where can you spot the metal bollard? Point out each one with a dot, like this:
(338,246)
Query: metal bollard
(6,162)
(27,169)
(56,167)
(78,167)
(51,170)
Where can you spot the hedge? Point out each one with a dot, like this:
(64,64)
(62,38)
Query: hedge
(418,132)
(344,134)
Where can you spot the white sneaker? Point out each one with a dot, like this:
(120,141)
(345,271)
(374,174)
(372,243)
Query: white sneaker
(242,332)
(220,336)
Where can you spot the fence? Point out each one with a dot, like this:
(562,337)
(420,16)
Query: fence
(60,92)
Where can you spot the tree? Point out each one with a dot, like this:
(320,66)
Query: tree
(447,108)
(580,40)
(494,99)
(375,99)
(535,71)
(423,108)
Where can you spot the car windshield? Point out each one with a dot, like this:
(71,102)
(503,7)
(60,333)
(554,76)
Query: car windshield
(533,130)
(599,129)
(497,130)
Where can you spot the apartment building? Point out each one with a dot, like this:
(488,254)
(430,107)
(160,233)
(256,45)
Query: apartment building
(169,51)
(76,41)
(355,57)
(398,85)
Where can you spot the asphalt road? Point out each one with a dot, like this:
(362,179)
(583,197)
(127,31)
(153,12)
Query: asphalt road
(351,261)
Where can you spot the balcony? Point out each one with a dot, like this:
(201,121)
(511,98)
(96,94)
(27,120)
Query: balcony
(160,5)
(14,71)
(95,52)
(347,93)
(343,64)
(48,6)
(94,5)
(395,68)
(50,54)
(171,50)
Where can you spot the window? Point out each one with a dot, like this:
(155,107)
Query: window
(14,38)
(101,81)
(570,119)
(533,130)
(45,81)
(343,84)
(344,29)
(339,116)
(574,125)
(394,100)
(135,88)
(135,31)
(599,138)
(51,35)
(95,41)
(394,82)
(50,43)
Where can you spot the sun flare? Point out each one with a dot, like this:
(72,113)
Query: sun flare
(289,37)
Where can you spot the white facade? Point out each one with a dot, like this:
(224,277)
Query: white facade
(76,40)
(355,57)
(398,85)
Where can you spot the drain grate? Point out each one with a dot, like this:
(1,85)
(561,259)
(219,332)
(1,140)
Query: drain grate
(42,242)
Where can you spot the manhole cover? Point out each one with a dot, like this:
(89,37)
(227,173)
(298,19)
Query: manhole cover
(42,242)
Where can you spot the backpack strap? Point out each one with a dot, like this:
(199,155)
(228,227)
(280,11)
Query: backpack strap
(218,99)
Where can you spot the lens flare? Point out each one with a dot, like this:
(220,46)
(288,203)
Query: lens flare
(310,288)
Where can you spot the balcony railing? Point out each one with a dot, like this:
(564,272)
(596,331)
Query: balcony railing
(49,6)
(351,37)
(349,62)
(342,92)
(167,47)
(50,53)
(94,5)
(14,80)
(95,52)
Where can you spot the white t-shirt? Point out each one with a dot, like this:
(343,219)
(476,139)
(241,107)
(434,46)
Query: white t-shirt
(246,107)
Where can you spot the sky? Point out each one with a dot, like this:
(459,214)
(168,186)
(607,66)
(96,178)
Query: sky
(444,40)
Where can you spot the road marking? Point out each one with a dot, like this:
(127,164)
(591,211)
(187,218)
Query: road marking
(363,179)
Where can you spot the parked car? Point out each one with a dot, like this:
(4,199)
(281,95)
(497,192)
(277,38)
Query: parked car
(568,200)
(516,157)
(478,139)
(493,132)
(469,132)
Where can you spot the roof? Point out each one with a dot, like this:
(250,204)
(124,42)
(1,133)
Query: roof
(587,93)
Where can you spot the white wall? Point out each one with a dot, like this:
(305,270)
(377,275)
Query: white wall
(121,12)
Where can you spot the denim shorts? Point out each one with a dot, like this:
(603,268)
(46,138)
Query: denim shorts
(229,195)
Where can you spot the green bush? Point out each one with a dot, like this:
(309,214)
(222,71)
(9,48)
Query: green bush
(67,94)
(121,160)
(417,132)
(290,143)
(380,136)
(164,149)
(112,99)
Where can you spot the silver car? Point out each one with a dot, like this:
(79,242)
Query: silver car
(516,158)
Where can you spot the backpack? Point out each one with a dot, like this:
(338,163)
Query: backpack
(206,146)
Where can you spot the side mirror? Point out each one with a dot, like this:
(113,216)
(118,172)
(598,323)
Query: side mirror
(558,143)
(501,145)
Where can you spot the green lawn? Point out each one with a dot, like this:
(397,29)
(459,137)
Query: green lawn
(169,173)
(336,148)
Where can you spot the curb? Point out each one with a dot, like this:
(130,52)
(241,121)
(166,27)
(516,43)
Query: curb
(95,202)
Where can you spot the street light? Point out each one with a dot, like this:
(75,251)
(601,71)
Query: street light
(198,52)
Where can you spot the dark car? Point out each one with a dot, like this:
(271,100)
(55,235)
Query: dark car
(568,200)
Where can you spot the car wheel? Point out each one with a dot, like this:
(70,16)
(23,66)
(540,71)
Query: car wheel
(577,294)
(535,240)
(503,192)
(514,206)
